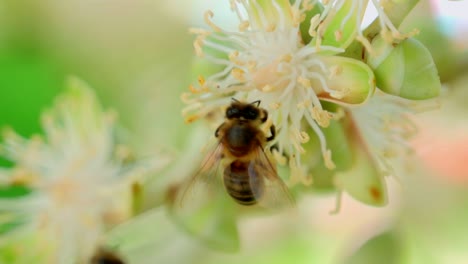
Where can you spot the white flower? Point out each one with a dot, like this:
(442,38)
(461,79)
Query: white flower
(268,60)
(77,175)
(385,127)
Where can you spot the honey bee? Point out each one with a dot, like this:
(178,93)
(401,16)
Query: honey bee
(239,162)
(104,256)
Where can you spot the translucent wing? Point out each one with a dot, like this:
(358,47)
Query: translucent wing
(202,208)
(274,194)
(205,182)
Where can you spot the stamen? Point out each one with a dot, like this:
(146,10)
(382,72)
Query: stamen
(338,203)
(307,5)
(233,56)
(244,25)
(280,159)
(208,15)
(314,22)
(239,74)
(267,88)
(338,35)
(198,44)
(321,116)
(304,82)
(328,160)
(275,106)
(367,45)
(201,80)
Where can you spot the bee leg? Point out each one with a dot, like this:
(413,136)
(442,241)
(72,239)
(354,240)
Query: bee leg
(274,147)
(217,130)
(273,133)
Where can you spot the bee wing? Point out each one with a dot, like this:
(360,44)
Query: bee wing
(202,208)
(274,194)
(204,182)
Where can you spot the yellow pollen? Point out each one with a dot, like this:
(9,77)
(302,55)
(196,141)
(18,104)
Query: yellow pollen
(191,119)
(303,104)
(298,147)
(233,57)
(199,31)
(198,44)
(238,74)
(297,17)
(304,137)
(251,65)
(22,177)
(208,15)
(267,88)
(270,28)
(280,159)
(243,26)
(321,116)
(314,21)
(185,97)
(275,106)
(297,175)
(338,35)
(201,80)
(286,58)
(307,5)
(328,160)
(304,82)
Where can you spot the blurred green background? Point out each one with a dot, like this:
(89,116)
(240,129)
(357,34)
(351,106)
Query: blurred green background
(136,54)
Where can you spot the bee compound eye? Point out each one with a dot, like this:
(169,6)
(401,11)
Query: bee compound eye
(251,113)
(231,112)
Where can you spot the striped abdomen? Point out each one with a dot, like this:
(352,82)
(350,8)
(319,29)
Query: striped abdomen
(242,187)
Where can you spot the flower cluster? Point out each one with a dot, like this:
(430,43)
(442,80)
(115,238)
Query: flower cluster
(298,58)
(75,181)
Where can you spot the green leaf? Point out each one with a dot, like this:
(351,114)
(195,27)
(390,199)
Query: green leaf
(406,70)
(352,81)
(28,83)
(14,191)
(9,223)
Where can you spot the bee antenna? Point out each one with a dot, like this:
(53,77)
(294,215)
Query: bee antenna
(235,100)
(256,103)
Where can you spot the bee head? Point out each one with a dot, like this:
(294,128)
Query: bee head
(245,111)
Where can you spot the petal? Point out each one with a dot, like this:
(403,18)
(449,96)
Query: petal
(322,177)
(362,181)
(405,70)
(339,146)
(341,24)
(353,81)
